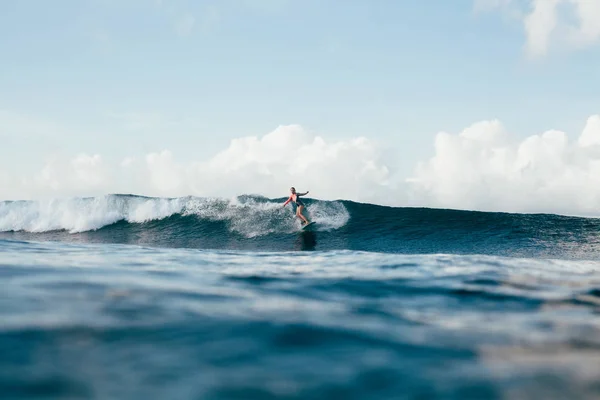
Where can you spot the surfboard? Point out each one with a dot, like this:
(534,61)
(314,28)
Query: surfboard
(307,225)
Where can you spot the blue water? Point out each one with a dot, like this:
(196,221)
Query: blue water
(132,297)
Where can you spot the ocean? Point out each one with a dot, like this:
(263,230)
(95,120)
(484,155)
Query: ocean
(134,297)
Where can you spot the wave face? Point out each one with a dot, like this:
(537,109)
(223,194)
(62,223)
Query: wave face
(258,223)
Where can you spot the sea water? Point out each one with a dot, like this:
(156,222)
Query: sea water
(190,298)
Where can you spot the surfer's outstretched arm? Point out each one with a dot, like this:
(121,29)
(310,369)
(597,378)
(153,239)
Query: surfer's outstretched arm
(302,194)
(288,200)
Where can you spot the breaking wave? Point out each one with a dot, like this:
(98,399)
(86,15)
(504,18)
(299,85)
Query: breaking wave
(248,216)
(251,222)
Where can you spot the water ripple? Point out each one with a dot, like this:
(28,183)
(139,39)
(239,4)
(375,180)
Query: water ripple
(117,321)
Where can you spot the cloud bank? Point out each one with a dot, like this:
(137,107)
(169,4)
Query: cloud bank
(267,165)
(483,167)
(564,23)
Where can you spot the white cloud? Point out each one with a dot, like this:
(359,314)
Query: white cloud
(83,174)
(588,12)
(540,24)
(591,134)
(552,23)
(185,25)
(267,165)
(484,168)
(89,170)
(127,161)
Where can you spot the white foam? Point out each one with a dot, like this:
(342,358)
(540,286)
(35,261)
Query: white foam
(247,216)
(82,214)
(251,218)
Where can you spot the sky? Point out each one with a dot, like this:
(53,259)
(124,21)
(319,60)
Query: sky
(485,104)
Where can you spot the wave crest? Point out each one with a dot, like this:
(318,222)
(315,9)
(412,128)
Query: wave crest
(249,216)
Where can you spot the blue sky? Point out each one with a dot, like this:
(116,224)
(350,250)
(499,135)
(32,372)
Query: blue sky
(124,78)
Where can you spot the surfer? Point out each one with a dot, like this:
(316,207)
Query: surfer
(295,197)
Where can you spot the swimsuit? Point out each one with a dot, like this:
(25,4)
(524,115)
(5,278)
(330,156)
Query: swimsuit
(298,201)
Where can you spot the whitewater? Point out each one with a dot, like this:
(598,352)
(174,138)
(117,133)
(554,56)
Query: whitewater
(124,296)
(247,215)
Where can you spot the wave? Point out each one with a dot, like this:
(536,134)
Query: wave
(246,215)
(251,222)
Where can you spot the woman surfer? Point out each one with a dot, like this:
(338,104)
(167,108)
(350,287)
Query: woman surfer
(295,197)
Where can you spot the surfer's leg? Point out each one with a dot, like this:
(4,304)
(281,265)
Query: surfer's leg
(299,214)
